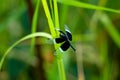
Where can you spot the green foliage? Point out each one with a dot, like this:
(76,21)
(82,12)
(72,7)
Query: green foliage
(34,24)
(111,29)
(97,53)
(52,30)
(22,39)
(85,5)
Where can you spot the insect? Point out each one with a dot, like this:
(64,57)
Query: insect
(65,38)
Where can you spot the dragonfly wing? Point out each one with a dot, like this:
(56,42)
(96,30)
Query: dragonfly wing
(65,45)
(59,40)
(69,34)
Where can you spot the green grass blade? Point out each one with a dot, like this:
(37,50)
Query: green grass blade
(110,28)
(104,57)
(50,22)
(76,3)
(52,30)
(52,11)
(56,14)
(40,34)
(61,69)
(34,24)
(59,60)
(63,13)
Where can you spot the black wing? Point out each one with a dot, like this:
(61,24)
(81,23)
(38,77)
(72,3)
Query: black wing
(65,46)
(59,40)
(69,34)
(62,38)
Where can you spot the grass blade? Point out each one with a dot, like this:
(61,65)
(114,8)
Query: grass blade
(111,29)
(34,24)
(40,34)
(56,14)
(52,30)
(76,3)
(50,22)
(59,60)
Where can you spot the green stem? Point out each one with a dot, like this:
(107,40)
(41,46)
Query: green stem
(52,12)
(59,60)
(56,14)
(50,22)
(61,69)
(113,32)
(52,30)
(34,24)
(80,4)
(42,34)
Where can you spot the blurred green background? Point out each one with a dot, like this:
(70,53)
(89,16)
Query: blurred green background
(96,37)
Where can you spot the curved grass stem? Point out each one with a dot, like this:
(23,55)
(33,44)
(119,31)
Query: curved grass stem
(42,34)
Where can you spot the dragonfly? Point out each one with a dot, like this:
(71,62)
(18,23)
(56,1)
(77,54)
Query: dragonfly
(65,38)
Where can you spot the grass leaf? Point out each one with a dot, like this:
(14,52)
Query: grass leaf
(52,30)
(76,3)
(40,34)
(34,24)
(50,22)
(111,29)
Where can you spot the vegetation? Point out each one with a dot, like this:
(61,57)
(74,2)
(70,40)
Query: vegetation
(26,55)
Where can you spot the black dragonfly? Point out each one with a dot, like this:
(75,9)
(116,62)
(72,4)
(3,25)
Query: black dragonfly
(65,38)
